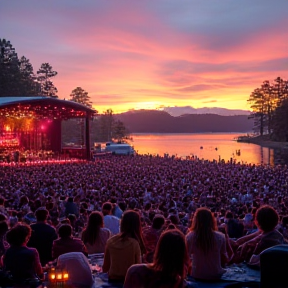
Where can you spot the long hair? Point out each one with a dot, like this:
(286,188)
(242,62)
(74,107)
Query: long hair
(91,232)
(131,227)
(171,256)
(204,225)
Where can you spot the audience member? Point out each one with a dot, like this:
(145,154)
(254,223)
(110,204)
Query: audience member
(66,243)
(95,235)
(42,236)
(124,249)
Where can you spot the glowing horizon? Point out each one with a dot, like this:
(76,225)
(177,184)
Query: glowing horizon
(152,54)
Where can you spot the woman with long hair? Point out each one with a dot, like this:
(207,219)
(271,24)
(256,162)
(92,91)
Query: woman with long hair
(95,235)
(169,267)
(207,246)
(125,248)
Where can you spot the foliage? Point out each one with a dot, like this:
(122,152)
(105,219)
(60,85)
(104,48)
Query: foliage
(16,76)
(79,95)
(45,73)
(269,109)
(103,128)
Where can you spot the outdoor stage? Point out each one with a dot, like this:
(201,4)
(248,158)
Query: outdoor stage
(30,129)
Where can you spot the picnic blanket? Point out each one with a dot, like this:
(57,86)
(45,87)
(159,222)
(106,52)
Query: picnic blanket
(235,274)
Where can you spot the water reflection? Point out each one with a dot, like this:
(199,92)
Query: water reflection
(207,146)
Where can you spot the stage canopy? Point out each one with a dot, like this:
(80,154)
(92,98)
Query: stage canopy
(41,107)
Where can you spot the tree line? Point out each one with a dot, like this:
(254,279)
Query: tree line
(17,78)
(269,105)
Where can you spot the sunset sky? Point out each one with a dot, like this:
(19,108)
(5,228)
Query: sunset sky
(145,54)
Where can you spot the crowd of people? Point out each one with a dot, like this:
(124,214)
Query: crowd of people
(155,219)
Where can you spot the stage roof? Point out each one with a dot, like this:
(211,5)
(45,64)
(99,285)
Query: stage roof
(42,107)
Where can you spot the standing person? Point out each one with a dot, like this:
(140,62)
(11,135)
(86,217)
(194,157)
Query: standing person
(169,267)
(42,236)
(21,261)
(111,222)
(125,248)
(95,235)
(207,246)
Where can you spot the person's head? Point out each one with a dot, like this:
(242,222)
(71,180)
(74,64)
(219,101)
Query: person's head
(266,218)
(23,200)
(203,225)
(41,214)
(174,219)
(107,208)
(72,218)
(229,215)
(91,232)
(65,231)
(131,227)
(130,223)
(171,254)
(70,199)
(18,235)
(95,220)
(203,219)
(158,221)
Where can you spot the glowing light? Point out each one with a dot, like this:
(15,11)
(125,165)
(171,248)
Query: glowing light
(7,128)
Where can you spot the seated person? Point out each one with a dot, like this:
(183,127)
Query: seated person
(95,235)
(151,236)
(209,249)
(22,262)
(66,243)
(267,236)
(124,249)
(169,267)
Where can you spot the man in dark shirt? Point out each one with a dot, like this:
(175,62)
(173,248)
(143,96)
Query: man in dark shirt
(66,243)
(42,236)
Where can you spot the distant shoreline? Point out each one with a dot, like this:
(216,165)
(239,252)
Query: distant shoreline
(264,142)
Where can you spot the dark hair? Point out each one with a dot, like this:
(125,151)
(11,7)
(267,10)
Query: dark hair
(229,215)
(107,208)
(41,214)
(266,218)
(91,232)
(171,254)
(203,225)
(131,227)
(158,221)
(70,199)
(174,219)
(65,231)
(17,235)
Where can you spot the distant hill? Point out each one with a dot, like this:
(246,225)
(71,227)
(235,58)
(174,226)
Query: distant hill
(154,121)
(178,111)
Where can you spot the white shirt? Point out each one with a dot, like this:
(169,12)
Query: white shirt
(112,223)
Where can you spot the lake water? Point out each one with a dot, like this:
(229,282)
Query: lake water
(208,146)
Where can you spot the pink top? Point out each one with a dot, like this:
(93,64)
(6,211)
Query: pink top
(207,266)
